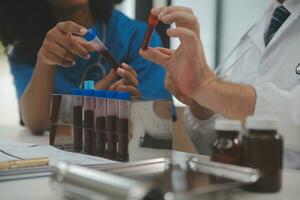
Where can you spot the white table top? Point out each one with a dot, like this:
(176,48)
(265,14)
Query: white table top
(39,188)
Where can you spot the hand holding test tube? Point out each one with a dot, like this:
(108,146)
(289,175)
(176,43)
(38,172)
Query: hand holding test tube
(91,37)
(125,73)
(152,22)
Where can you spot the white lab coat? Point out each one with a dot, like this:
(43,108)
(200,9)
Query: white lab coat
(271,71)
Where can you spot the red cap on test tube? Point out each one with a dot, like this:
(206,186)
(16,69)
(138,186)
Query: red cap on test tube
(152,22)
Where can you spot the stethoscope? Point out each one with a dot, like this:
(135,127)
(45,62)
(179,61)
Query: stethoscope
(230,61)
(99,61)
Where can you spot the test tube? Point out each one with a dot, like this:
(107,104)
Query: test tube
(111,124)
(152,22)
(100,121)
(77,99)
(123,125)
(88,107)
(91,36)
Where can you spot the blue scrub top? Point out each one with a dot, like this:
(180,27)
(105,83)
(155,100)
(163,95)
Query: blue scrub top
(123,37)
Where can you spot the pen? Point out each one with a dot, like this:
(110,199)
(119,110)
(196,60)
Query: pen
(16,164)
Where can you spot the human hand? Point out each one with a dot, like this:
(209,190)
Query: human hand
(63,43)
(128,82)
(181,16)
(170,83)
(186,66)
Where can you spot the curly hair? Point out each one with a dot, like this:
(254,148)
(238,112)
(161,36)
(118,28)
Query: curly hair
(24,24)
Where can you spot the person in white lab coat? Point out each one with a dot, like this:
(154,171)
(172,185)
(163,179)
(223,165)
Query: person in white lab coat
(260,77)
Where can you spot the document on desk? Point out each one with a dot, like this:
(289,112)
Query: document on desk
(11,150)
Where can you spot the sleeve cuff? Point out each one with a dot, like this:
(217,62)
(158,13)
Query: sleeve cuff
(200,131)
(263,105)
(197,125)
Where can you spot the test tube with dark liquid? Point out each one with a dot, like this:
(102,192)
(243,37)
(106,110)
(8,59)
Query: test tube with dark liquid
(111,124)
(89,132)
(123,125)
(99,46)
(152,22)
(100,121)
(77,99)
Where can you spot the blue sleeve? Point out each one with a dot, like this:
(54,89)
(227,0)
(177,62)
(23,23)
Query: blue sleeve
(22,74)
(151,76)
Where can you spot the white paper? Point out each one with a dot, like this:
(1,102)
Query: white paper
(4,157)
(28,151)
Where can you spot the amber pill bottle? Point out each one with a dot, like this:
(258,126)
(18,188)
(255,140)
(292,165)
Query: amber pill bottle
(226,148)
(263,150)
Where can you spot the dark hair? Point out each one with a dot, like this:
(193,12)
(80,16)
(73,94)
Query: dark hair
(24,24)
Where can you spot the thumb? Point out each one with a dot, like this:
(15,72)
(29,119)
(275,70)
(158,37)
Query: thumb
(156,56)
(185,35)
(107,80)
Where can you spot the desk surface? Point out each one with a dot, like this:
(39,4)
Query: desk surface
(39,188)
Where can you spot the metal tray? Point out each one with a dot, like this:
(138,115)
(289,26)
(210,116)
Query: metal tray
(189,178)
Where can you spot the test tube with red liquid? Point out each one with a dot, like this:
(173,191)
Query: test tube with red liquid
(101,114)
(123,125)
(77,99)
(99,46)
(88,107)
(152,22)
(111,124)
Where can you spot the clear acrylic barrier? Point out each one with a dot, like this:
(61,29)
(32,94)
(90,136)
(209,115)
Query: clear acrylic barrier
(84,125)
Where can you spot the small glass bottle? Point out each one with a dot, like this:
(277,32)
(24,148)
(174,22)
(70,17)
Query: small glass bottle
(88,115)
(111,125)
(100,115)
(263,150)
(77,99)
(226,148)
(123,125)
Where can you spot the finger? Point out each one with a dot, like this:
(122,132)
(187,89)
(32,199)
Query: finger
(129,88)
(128,76)
(87,45)
(185,35)
(172,9)
(182,19)
(116,84)
(71,45)
(59,51)
(71,27)
(156,56)
(129,68)
(106,81)
(53,59)
(113,86)
(157,11)
(166,51)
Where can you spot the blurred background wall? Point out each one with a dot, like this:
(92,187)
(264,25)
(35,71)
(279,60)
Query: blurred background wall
(223,22)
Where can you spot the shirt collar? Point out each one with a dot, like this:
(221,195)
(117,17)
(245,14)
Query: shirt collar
(293,6)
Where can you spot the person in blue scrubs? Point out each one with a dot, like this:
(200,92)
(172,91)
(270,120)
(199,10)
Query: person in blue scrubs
(47,53)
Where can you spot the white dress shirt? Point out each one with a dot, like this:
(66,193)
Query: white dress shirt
(271,71)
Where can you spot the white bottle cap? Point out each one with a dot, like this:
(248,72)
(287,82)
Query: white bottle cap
(261,123)
(227,125)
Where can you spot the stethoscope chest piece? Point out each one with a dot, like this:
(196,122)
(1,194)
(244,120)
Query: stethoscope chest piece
(298,69)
